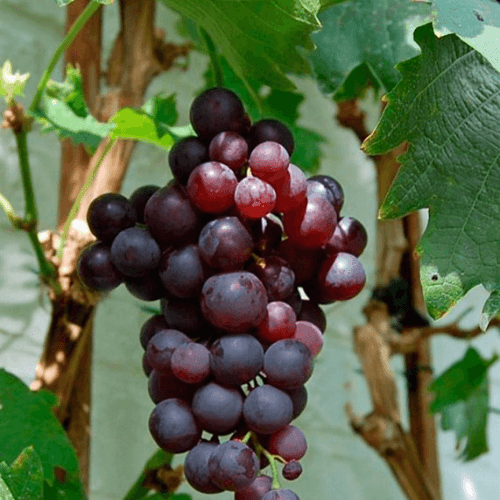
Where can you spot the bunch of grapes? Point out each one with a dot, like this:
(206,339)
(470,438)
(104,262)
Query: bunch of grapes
(231,248)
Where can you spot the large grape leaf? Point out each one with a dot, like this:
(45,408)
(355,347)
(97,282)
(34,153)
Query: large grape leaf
(259,38)
(24,477)
(368,34)
(447,107)
(461,396)
(27,419)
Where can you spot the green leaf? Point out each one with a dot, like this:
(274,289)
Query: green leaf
(447,107)
(369,33)
(260,40)
(25,476)
(151,123)
(11,84)
(461,396)
(26,419)
(5,493)
(63,110)
(69,490)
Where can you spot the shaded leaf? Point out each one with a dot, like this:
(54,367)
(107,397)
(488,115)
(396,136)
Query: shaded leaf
(69,490)
(447,107)
(26,419)
(368,34)
(461,396)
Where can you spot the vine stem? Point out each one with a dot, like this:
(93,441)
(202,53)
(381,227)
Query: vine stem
(76,205)
(9,211)
(272,461)
(68,39)
(214,59)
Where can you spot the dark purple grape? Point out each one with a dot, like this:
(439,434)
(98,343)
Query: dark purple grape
(234,302)
(96,270)
(148,287)
(314,314)
(190,363)
(134,252)
(236,359)
(349,236)
(256,489)
(299,400)
(166,386)
(110,214)
(281,494)
(171,217)
(184,315)
(289,443)
(304,262)
(173,426)
(217,110)
(225,244)
(266,235)
(140,197)
(334,187)
(182,272)
(218,409)
(196,467)
(185,156)
(276,276)
(292,470)
(310,335)
(295,301)
(230,149)
(288,364)
(233,465)
(267,409)
(146,367)
(161,347)
(271,130)
(151,327)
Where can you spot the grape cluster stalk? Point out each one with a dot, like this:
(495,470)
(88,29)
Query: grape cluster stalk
(231,247)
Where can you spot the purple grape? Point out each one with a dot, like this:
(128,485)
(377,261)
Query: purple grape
(225,244)
(281,494)
(289,443)
(334,187)
(349,236)
(173,426)
(271,130)
(182,272)
(218,409)
(314,314)
(234,302)
(148,287)
(166,386)
(96,270)
(267,409)
(196,467)
(233,465)
(109,214)
(171,217)
(134,252)
(161,347)
(276,276)
(217,110)
(299,400)
(139,199)
(267,235)
(184,315)
(295,301)
(151,327)
(288,364)
(236,359)
(256,489)
(269,161)
(185,156)
(304,263)
(292,470)
(146,367)
(230,149)
(190,363)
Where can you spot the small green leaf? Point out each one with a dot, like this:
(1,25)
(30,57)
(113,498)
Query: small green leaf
(25,476)
(491,309)
(10,84)
(461,395)
(26,419)
(158,459)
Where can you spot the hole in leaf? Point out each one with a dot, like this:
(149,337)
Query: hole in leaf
(434,277)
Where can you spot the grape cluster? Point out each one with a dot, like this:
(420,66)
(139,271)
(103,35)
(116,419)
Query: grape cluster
(231,248)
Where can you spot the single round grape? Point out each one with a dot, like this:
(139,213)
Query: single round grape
(234,302)
(217,110)
(269,161)
(267,409)
(233,465)
(276,276)
(229,148)
(289,443)
(292,470)
(281,494)
(109,214)
(161,347)
(271,130)
(173,426)
(211,187)
(304,262)
(334,187)
(96,270)
(135,252)
(236,359)
(217,408)
(140,197)
(163,386)
(191,363)
(349,236)
(151,327)
(196,467)
(185,156)
(313,313)
(279,323)
(288,364)
(256,489)
(295,301)
(299,400)
(225,244)
(310,335)
(148,287)
(254,198)
(290,190)
(184,315)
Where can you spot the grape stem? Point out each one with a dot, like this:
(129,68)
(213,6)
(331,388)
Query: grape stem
(272,461)
(247,437)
